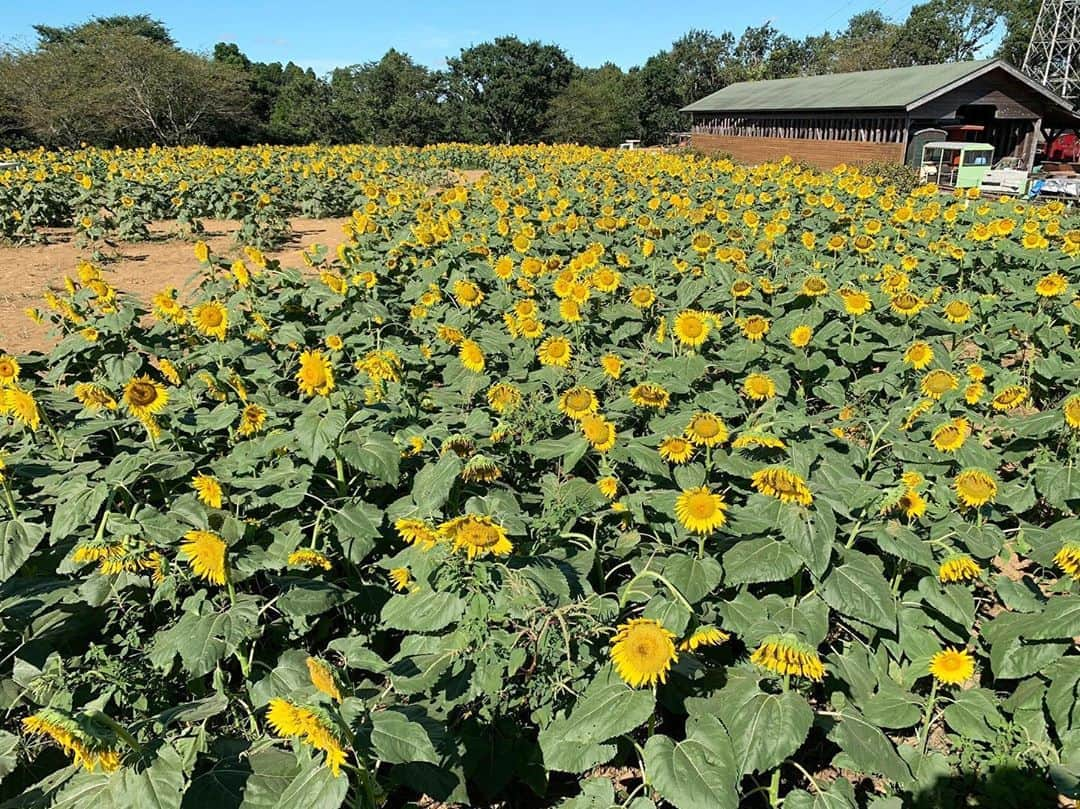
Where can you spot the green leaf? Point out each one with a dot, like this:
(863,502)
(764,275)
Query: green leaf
(570,755)
(858,589)
(289,781)
(608,707)
(374,453)
(159,786)
(18,540)
(358,527)
(694,578)
(759,560)
(811,534)
(398,739)
(974,714)
(317,429)
(696,773)
(765,728)
(78,505)
(840,794)
(422,611)
(9,747)
(432,484)
(202,638)
(868,749)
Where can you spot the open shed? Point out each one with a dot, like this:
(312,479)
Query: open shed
(885,115)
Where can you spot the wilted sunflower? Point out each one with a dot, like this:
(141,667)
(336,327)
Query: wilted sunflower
(959,568)
(503,397)
(642,651)
(786,655)
(308,557)
(316,375)
(578,402)
(783,484)
(907,304)
(144,398)
(706,430)
(975,487)
(91,744)
(814,286)
(208,489)
(651,395)
(950,436)
(1010,397)
(476,535)
(759,387)
(252,420)
(691,328)
(676,450)
(312,726)
(205,552)
(555,351)
(952,667)
(700,510)
(704,636)
(211,319)
(417,532)
(480,469)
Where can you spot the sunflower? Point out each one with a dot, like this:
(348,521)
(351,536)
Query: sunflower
(1071,411)
(480,469)
(801,335)
(786,655)
(918,355)
(704,636)
(700,510)
(754,328)
(316,375)
(752,440)
(555,351)
(608,486)
(702,242)
(706,430)
(957,311)
(975,487)
(642,652)
(651,395)
(205,552)
(322,677)
(1010,397)
(907,304)
(676,450)
(599,431)
(309,558)
(642,297)
(911,504)
(950,436)
(1068,559)
(476,535)
(208,489)
(417,532)
(144,398)
(89,743)
(310,725)
(400,578)
(937,383)
(959,569)
(471,356)
(815,286)
(211,319)
(783,484)
(691,328)
(952,667)
(856,303)
(974,392)
(612,365)
(1052,285)
(252,420)
(759,387)
(503,397)
(334,342)
(578,402)
(94,397)
(9,370)
(467,294)
(741,288)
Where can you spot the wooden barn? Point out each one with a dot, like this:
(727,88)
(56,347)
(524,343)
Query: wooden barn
(881,114)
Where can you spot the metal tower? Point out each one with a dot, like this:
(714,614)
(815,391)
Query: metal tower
(1053,54)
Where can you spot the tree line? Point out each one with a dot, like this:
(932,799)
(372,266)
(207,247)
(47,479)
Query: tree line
(123,80)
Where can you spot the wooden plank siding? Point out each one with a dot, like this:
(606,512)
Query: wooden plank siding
(823,154)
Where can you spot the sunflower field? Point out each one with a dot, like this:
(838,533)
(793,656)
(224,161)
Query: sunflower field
(610,479)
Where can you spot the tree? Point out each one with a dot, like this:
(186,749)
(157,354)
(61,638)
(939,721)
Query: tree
(303,110)
(945,31)
(500,91)
(140,25)
(1019,17)
(393,100)
(597,108)
(868,43)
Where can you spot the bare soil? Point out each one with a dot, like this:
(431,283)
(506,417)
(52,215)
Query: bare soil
(139,268)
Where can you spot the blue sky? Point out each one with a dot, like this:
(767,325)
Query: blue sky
(329,33)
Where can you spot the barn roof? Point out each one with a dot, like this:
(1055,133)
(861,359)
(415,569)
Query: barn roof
(900,88)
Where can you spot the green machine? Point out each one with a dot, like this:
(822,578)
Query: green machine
(951,164)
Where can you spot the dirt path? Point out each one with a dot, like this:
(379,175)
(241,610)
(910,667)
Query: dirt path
(142,268)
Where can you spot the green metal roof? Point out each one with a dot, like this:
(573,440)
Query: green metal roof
(894,88)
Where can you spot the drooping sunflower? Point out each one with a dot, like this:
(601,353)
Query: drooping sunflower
(503,397)
(208,489)
(950,436)
(417,532)
(783,484)
(704,636)
(700,510)
(676,449)
(975,487)
(907,304)
(94,397)
(706,430)
(316,374)
(599,431)
(952,666)
(471,356)
(960,568)
(480,469)
(555,351)
(211,319)
(312,726)
(755,440)
(919,354)
(476,536)
(759,387)
(144,398)
(786,655)
(578,402)
(308,557)
(648,394)
(205,552)
(814,286)
(252,420)
(1010,397)
(322,677)
(691,328)
(90,743)
(642,651)
(937,383)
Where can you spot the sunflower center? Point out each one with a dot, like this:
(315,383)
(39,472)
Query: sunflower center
(706,427)
(6,369)
(313,375)
(702,506)
(557,350)
(479,535)
(142,394)
(578,400)
(210,317)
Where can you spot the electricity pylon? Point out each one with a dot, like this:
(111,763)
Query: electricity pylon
(1053,53)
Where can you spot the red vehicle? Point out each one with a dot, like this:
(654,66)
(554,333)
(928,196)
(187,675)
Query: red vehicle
(1065,148)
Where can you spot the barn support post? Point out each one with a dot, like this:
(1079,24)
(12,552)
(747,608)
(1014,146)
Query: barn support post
(1031,142)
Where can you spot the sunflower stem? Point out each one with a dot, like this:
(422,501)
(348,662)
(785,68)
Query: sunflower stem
(118,729)
(10,499)
(774,788)
(929,715)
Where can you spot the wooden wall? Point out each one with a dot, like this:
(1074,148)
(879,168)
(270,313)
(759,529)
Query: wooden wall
(823,154)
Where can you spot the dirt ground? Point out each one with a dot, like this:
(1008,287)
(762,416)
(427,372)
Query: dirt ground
(142,268)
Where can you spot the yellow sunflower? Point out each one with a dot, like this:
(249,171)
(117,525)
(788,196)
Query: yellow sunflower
(1010,397)
(975,487)
(704,636)
(815,286)
(937,383)
(642,652)
(476,536)
(208,489)
(599,431)
(918,355)
(706,430)
(642,297)
(676,450)
(801,335)
(952,667)
(1052,285)
(9,370)
(957,311)
(783,484)
(578,402)
(144,398)
(691,328)
(785,655)
(503,397)
(471,356)
(205,552)
(959,569)
(755,327)
(651,395)
(467,294)
(1068,559)
(1071,411)
(555,351)
(211,319)
(759,387)
(950,436)
(700,510)
(612,365)
(316,375)
(252,420)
